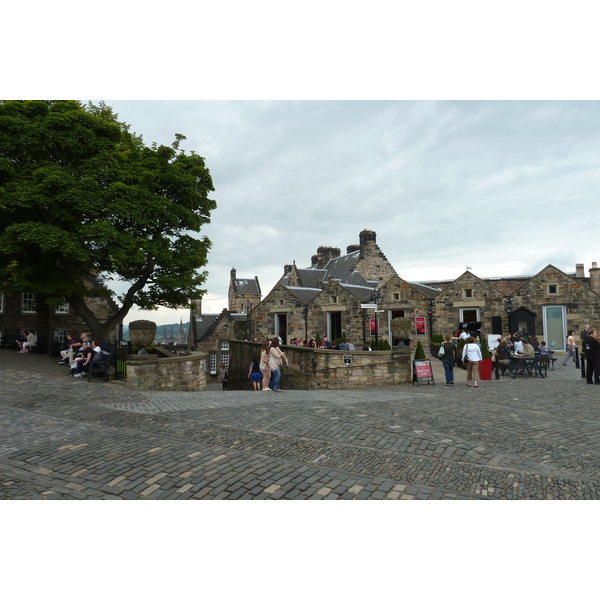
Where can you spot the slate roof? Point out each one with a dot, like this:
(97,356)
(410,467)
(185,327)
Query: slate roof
(342,268)
(249,287)
(305,295)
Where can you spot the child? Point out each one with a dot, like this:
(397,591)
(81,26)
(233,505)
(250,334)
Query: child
(254,374)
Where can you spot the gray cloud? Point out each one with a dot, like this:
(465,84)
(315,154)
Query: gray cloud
(501,186)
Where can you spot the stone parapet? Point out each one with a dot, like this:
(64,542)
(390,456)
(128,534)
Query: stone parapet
(177,373)
(311,369)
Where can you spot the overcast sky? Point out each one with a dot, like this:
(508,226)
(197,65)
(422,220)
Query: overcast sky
(502,187)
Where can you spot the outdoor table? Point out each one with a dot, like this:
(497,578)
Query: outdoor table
(526,363)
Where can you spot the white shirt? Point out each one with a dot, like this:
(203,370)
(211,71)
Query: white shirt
(464,335)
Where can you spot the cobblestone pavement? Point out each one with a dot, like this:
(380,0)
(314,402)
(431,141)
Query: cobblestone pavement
(67,438)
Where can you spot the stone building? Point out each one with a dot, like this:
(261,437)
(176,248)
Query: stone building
(336,294)
(19,312)
(244,294)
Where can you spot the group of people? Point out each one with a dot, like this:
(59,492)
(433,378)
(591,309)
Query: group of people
(471,356)
(519,343)
(78,353)
(264,371)
(27,342)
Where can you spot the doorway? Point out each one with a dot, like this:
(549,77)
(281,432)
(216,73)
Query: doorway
(281,326)
(334,325)
(555,327)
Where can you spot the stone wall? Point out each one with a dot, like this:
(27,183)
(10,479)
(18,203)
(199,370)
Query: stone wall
(177,373)
(311,369)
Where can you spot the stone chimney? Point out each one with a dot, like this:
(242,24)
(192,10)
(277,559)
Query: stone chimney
(595,278)
(314,261)
(233,274)
(352,248)
(367,238)
(325,254)
(196,309)
(287,269)
(579,272)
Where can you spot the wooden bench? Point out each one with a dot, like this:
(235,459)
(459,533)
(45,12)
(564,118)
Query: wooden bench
(103,364)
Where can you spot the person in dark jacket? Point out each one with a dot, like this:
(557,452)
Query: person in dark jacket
(591,347)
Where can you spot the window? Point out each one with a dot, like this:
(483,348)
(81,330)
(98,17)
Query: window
(334,299)
(280,302)
(60,335)
(63,309)
(396,296)
(225,358)
(28,304)
(212,362)
(1,304)
(552,288)
(468,292)
(224,345)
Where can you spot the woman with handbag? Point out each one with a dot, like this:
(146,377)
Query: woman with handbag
(264,365)
(471,354)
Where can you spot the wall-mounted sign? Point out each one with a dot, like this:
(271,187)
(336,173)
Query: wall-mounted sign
(422,372)
(347,359)
(374,326)
(420,325)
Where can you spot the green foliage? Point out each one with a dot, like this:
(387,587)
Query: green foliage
(485,351)
(384,345)
(419,352)
(344,339)
(437,338)
(82,197)
(318,338)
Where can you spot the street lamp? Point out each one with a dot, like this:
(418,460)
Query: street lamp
(508,307)
(430,305)
(376,298)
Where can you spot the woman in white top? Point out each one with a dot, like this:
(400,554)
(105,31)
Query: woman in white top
(571,345)
(472,353)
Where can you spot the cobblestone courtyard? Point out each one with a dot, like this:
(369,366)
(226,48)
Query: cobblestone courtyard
(65,438)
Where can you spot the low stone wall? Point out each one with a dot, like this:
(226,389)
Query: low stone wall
(311,369)
(171,373)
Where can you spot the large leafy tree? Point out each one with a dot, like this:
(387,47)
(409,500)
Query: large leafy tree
(81,197)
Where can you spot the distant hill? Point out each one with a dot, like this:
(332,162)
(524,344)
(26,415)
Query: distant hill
(166,333)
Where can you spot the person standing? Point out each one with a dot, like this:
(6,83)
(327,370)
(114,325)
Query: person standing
(224,375)
(591,348)
(275,361)
(472,353)
(449,359)
(571,347)
(265,369)
(585,332)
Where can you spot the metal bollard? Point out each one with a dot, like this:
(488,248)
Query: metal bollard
(577,358)
(583,366)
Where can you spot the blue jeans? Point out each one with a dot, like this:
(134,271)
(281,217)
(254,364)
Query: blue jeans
(275,377)
(449,370)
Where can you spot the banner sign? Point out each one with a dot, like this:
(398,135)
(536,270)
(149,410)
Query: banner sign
(374,326)
(420,325)
(422,372)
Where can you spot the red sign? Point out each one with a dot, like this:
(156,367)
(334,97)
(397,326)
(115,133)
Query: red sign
(422,372)
(374,324)
(420,325)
